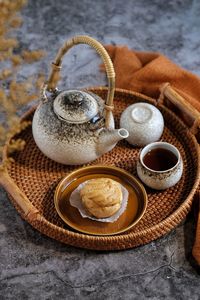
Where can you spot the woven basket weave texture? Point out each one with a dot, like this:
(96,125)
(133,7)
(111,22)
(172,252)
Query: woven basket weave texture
(37,176)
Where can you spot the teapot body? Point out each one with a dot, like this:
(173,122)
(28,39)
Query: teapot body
(75,127)
(65,142)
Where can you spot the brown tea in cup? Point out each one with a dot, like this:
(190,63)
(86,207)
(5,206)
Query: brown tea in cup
(160,159)
(160,165)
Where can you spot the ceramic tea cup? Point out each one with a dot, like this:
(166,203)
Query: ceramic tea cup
(144,123)
(160,165)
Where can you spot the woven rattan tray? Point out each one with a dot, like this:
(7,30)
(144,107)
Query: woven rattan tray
(33,177)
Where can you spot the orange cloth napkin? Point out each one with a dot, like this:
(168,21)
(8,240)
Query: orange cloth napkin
(145,72)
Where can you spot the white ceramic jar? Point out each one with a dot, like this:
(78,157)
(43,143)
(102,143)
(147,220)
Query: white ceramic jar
(160,180)
(144,123)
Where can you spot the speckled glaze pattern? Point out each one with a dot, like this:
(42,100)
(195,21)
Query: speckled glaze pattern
(77,107)
(48,121)
(159,180)
(69,143)
(144,123)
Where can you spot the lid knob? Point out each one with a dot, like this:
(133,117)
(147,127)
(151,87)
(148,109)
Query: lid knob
(75,106)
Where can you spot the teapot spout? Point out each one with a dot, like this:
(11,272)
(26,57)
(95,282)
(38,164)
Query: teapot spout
(109,138)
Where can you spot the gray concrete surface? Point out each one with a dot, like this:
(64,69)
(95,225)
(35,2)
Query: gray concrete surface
(33,266)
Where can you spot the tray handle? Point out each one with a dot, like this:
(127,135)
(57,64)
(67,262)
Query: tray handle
(22,201)
(196,247)
(192,118)
(189,114)
(56,67)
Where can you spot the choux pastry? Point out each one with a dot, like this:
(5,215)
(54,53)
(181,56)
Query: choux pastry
(102,197)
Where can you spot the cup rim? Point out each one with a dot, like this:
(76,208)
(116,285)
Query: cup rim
(155,145)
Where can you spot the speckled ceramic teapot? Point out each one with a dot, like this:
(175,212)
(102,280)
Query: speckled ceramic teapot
(75,126)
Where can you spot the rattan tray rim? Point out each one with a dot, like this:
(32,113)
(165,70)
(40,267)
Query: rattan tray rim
(162,227)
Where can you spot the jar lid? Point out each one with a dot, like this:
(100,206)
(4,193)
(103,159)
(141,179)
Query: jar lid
(75,106)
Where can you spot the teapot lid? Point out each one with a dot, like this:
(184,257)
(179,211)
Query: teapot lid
(75,106)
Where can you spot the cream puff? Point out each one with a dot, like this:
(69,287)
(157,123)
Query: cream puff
(102,197)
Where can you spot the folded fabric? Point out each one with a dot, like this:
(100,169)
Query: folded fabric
(145,72)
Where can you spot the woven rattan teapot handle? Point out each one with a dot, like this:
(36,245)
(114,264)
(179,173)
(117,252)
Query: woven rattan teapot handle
(56,67)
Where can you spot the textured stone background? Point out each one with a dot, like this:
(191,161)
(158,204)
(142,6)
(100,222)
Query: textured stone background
(33,266)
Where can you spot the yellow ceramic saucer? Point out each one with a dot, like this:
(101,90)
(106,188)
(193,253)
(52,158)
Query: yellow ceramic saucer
(137,200)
